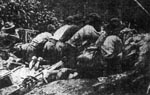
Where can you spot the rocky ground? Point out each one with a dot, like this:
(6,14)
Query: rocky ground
(66,87)
(73,87)
(69,87)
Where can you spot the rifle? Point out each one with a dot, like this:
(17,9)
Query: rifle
(31,81)
(49,70)
(10,72)
(140,5)
(7,78)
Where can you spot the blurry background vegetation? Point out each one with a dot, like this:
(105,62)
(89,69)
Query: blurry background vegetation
(127,10)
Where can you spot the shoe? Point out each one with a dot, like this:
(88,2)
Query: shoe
(39,60)
(32,62)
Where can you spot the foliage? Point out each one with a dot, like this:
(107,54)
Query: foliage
(28,15)
(31,11)
(127,10)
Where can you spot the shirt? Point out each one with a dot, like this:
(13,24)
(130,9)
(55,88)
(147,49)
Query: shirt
(43,37)
(69,33)
(112,46)
(86,33)
(58,34)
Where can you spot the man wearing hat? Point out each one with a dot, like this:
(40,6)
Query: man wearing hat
(35,47)
(111,47)
(76,24)
(45,41)
(89,33)
(51,28)
(9,28)
(53,48)
(58,33)
(104,54)
(68,52)
(9,33)
(114,26)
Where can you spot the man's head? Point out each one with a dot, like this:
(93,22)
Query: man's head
(95,20)
(8,25)
(78,19)
(115,23)
(51,28)
(69,20)
(114,26)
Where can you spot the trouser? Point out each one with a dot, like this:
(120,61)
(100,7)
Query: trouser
(112,66)
(55,51)
(49,51)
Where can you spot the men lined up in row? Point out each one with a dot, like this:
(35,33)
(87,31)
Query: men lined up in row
(73,43)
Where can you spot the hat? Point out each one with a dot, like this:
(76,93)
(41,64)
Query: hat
(78,18)
(69,19)
(114,26)
(92,18)
(51,27)
(8,25)
(115,22)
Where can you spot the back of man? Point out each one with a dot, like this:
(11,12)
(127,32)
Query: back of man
(58,34)
(86,34)
(25,51)
(111,51)
(34,48)
(40,38)
(53,48)
(112,46)
(105,57)
(69,33)
(50,52)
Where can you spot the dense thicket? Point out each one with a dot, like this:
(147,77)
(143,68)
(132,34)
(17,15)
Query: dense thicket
(124,9)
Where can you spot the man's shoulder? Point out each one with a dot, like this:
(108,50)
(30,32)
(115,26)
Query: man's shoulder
(44,34)
(65,26)
(88,26)
(113,37)
(62,28)
(73,27)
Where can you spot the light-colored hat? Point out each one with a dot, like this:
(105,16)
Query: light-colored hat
(8,25)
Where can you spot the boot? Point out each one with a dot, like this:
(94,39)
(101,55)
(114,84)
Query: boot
(32,62)
(39,60)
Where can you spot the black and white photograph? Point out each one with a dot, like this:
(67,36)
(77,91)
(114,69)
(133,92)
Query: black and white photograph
(74,47)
